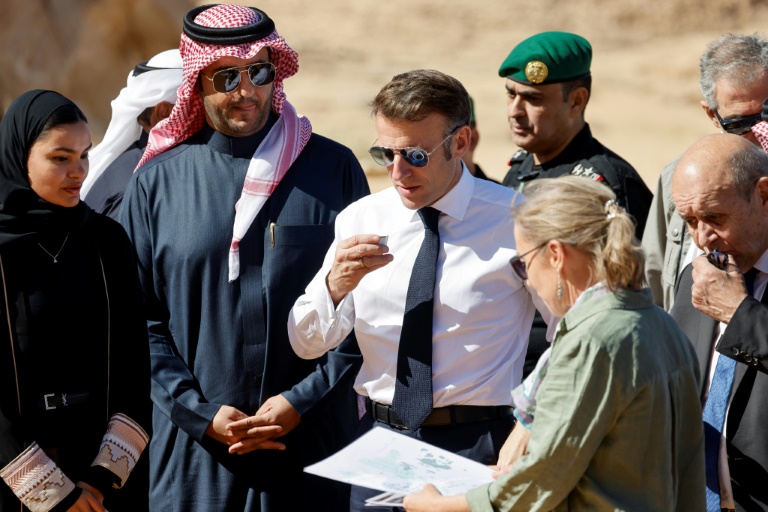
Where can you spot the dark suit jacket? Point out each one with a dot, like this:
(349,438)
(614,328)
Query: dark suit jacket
(746,341)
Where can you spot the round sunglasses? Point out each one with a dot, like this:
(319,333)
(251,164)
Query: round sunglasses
(415,156)
(227,80)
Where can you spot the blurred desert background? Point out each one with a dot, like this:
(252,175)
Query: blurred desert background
(645,100)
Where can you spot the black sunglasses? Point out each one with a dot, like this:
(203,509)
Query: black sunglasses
(739,125)
(518,265)
(415,156)
(227,80)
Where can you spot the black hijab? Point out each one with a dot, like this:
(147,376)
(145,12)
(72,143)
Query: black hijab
(23,213)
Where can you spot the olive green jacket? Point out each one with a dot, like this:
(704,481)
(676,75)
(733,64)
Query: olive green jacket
(618,420)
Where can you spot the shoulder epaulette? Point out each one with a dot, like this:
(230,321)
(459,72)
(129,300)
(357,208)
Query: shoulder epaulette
(518,156)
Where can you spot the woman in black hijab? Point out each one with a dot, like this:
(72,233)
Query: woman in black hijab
(74,361)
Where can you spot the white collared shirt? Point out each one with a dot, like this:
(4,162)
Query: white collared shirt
(482,313)
(724,473)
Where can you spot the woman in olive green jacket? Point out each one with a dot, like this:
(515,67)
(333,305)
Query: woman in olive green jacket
(613,409)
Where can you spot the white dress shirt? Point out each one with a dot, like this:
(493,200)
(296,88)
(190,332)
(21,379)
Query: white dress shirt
(482,311)
(724,473)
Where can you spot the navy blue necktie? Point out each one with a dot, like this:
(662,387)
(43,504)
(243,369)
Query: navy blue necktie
(413,389)
(714,414)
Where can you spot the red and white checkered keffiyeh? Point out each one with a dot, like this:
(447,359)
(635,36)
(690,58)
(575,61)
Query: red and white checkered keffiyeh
(277,151)
(761,134)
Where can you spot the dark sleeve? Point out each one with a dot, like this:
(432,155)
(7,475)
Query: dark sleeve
(12,438)
(112,206)
(631,191)
(129,380)
(341,364)
(746,338)
(174,390)
(129,406)
(638,201)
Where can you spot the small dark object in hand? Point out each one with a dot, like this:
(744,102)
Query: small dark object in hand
(718,259)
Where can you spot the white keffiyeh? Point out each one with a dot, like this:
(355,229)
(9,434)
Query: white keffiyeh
(141,91)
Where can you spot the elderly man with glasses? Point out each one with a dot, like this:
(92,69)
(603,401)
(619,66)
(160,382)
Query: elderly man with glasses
(231,211)
(420,273)
(734,81)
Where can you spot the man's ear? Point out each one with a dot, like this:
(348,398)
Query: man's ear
(710,114)
(159,112)
(463,138)
(762,191)
(579,98)
(162,110)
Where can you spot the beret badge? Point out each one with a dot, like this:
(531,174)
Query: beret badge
(536,72)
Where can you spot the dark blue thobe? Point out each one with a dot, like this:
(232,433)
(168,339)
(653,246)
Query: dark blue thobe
(217,343)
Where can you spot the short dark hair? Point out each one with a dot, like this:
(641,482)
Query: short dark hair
(66,114)
(571,85)
(414,95)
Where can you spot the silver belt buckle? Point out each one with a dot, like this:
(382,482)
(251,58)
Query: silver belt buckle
(45,398)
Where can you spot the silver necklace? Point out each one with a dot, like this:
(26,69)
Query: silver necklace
(55,256)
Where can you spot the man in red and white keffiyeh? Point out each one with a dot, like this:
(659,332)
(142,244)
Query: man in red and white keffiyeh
(231,211)
(288,138)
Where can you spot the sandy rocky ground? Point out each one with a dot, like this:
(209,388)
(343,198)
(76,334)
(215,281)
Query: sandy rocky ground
(645,66)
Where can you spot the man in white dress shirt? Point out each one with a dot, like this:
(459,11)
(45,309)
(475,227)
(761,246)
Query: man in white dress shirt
(482,311)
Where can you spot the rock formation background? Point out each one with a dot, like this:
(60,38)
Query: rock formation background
(644,106)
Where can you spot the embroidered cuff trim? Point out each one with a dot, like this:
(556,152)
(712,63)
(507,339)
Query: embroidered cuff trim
(121,447)
(36,480)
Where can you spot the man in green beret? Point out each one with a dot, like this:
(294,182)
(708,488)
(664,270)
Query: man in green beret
(548,87)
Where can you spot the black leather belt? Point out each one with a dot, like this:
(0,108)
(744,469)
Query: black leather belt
(52,401)
(441,416)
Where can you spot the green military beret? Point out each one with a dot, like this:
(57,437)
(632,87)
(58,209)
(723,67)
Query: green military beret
(472,118)
(548,58)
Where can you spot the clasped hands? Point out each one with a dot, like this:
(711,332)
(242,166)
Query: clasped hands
(355,257)
(243,433)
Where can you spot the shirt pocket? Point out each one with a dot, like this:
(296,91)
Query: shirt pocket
(293,254)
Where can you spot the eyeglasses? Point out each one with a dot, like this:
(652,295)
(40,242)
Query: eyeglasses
(227,80)
(415,156)
(739,125)
(518,265)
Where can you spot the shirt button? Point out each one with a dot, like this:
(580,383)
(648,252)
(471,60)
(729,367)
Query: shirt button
(675,232)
